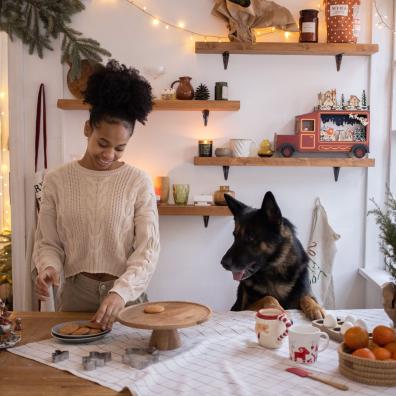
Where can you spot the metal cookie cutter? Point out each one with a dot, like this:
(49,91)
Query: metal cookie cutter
(59,356)
(95,359)
(140,358)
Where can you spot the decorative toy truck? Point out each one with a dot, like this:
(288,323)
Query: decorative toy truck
(328,131)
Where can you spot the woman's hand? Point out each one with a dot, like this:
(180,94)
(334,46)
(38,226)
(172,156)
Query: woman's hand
(108,310)
(49,276)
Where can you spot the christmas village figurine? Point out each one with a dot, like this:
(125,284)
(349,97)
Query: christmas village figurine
(8,335)
(333,127)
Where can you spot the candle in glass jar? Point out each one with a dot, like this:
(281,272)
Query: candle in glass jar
(205,148)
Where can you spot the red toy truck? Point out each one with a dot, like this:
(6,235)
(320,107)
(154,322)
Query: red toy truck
(329,131)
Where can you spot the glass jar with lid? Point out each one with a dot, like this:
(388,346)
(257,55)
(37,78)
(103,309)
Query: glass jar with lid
(309,22)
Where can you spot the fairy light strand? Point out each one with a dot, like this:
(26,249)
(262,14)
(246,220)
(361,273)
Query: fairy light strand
(181,27)
(382,18)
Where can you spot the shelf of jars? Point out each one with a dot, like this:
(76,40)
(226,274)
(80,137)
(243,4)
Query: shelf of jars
(336,49)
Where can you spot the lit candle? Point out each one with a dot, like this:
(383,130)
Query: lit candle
(205,148)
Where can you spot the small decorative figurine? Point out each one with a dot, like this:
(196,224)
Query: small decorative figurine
(7,336)
(265,149)
(202,92)
(18,324)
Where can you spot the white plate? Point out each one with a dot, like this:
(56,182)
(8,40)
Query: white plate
(55,330)
(80,340)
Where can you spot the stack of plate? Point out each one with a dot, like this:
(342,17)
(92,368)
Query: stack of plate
(77,339)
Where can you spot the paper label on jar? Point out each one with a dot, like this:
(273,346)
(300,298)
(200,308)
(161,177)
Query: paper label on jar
(339,10)
(224,92)
(308,27)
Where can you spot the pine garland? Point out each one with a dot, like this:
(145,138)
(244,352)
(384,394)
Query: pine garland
(38,22)
(5,258)
(387,225)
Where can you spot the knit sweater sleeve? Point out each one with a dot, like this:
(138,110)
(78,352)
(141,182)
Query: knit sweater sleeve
(146,246)
(48,250)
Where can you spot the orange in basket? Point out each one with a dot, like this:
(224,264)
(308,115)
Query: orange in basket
(383,335)
(356,338)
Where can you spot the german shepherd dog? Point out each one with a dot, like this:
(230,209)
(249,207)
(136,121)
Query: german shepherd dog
(268,260)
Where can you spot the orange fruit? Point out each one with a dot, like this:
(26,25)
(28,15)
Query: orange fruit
(391,347)
(356,337)
(381,353)
(383,335)
(364,353)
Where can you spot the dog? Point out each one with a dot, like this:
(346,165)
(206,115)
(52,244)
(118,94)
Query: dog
(268,260)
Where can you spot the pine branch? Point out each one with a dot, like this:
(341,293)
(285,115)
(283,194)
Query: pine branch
(37,22)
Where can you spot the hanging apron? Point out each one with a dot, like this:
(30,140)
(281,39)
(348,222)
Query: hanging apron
(321,252)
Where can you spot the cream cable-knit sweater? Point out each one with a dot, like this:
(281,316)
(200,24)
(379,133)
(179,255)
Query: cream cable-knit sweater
(99,222)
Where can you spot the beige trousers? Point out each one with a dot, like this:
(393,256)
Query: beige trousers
(82,294)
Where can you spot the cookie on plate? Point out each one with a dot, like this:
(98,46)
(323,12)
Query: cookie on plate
(68,328)
(82,331)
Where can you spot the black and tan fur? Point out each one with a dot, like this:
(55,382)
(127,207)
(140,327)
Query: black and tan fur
(268,260)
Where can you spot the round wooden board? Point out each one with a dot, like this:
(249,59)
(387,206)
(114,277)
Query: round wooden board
(177,314)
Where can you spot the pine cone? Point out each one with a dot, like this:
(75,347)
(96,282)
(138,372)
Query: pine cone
(202,92)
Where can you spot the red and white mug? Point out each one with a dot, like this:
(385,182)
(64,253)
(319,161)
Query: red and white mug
(305,343)
(272,326)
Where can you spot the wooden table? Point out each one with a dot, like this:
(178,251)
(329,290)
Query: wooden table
(20,376)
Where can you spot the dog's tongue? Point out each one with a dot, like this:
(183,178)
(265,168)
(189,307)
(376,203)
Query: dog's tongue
(238,275)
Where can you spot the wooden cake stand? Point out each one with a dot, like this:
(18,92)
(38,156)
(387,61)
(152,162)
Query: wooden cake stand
(177,315)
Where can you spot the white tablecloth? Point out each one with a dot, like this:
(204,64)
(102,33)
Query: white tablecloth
(219,357)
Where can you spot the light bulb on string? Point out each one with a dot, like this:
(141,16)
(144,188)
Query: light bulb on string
(155,22)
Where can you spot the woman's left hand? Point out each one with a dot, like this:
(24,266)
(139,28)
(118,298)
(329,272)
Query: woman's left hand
(108,310)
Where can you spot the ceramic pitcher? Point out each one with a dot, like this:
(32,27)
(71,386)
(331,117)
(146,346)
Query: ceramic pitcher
(272,326)
(185,90)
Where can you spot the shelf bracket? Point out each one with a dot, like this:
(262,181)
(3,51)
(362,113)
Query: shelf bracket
(338,59)
(226,57)
(226,168)
(205,115)
(336,170)
(206,221)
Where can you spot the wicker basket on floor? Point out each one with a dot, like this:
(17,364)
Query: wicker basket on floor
(371,372)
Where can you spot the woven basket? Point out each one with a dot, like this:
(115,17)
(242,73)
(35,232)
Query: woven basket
(371,372)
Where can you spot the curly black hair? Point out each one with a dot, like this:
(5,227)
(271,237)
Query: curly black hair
(118,93)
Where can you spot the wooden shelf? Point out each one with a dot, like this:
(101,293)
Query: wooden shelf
(336,49)
(281,161)
(202,47)
(166,105)
(193,210)
(335,163)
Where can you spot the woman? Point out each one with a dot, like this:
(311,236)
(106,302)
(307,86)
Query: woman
(98,222)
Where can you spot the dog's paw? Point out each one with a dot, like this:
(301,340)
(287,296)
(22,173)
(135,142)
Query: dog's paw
(311,308)
(265,302)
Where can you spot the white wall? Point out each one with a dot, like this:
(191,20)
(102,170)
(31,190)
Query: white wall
(272,91)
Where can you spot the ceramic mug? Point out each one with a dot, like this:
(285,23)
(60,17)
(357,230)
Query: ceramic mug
(304,343)
(180,193)
(241,147)
(272,326)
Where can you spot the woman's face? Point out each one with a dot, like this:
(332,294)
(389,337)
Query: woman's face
(106,144)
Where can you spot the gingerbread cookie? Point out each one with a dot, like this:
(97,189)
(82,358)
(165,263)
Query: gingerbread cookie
(154,308)
(82,331)
(68,329)
(95,331)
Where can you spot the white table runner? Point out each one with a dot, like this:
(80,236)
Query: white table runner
(219,357)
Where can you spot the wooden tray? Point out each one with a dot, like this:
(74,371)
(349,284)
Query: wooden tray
(177,315)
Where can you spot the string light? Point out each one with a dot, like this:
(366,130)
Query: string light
(182,26)
(382,19)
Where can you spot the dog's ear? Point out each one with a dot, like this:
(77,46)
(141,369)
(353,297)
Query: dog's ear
(235,206)
(271,209)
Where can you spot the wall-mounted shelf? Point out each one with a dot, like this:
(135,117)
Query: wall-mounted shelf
(193,210)
(205,106)
(336,49)
(335,163)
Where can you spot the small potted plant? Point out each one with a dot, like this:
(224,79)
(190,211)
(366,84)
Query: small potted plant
(386,220)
